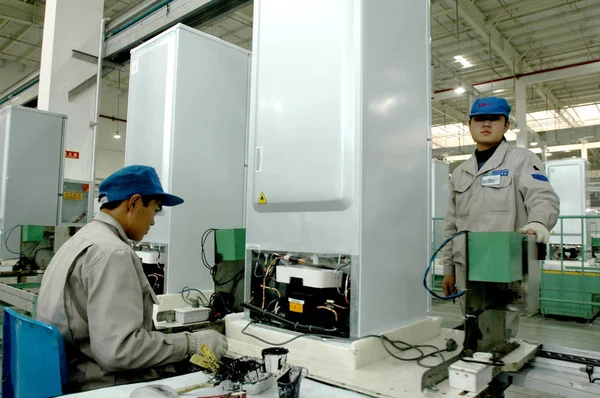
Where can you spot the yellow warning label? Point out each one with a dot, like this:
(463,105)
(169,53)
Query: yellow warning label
(262,199)
(296,305)
(73,195)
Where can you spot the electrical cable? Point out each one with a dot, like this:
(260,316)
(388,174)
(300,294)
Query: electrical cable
(229,280)
(431,262)
(384,339)
(269,342)
(7,235)
(295,325)
(490,363)
(203,239)
(236,283)
(589,369)
(431,354)
(186,298)
(264,284)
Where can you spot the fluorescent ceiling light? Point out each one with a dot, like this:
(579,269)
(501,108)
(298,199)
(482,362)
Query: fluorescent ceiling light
(464,62)
(534,143)
(557,148)
(459,90)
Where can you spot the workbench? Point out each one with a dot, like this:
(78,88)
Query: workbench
(308,388)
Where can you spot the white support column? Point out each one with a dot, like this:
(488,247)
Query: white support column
(470,100)
(584,152)
(544,153)
(521,113)
(71,25)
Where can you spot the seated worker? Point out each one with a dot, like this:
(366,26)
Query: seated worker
(499,188)
(95,291)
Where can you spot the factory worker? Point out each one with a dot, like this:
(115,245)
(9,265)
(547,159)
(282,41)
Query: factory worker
(95,291)
(499,188)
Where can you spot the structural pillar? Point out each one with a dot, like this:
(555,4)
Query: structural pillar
(71,25)
(521,112)
(470,99)
(584,152)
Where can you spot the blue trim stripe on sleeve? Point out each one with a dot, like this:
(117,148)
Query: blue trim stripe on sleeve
(540,177)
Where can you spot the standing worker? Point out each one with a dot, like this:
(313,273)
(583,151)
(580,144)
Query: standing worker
(499,188)
(95,291)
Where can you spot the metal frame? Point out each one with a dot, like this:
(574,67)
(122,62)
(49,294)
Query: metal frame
(19,298)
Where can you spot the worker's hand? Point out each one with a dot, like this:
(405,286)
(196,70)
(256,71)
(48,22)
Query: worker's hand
(537,229)
(449,285)
(213,339)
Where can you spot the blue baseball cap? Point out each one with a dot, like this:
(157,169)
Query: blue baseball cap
(490,106)
(128,181)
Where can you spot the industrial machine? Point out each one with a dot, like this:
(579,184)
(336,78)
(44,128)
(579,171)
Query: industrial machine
(499,280)
(31,164)
(502,277)
(339,166)
(187,118)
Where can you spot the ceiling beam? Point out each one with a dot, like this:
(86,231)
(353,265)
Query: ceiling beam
(453,113)
(22,13)
(465,83)
(13,40)
(25,56)
(471,14)
(19,60)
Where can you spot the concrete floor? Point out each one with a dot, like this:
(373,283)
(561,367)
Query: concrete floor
(565,332)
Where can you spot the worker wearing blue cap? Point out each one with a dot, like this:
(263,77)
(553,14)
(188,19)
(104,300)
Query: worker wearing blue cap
(499,188)
(97,295)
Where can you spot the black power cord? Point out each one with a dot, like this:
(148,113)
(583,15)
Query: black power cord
(203,239)
(589,369)
(315,331)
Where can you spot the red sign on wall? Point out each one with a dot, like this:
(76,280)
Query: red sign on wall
(71,155)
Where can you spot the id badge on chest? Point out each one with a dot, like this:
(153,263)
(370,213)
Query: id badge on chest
(490,181)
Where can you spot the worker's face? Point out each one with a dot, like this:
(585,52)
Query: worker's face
(141,217)
(488,130)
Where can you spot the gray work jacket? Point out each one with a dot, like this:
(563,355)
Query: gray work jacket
(95,292)
(509,191)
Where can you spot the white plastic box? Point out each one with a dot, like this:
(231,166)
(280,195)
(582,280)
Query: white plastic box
(467,376)
(191,315)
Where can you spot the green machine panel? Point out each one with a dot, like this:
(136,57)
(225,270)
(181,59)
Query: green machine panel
(495,256)
(32,233)
(231,244)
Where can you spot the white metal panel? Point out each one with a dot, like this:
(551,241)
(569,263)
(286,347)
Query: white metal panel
(569,179)
(440,192)
(149,116)
(305,163)
(188,119)
(385,122)
(396,162)
(31,170)
(3,159)
(307,145)
(209,145)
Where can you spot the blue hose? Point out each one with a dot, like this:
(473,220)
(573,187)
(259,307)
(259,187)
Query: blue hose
(431,262)
(19,91)
(139,18)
